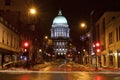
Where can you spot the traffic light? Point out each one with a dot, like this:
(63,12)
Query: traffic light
(97,47)
(25,50)
(26,46)
(69,55)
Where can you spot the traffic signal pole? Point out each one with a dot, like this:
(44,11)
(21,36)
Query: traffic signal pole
(96,68)
(26,46)
(97,49)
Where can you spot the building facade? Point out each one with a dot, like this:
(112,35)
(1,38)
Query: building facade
(9,42)
(17,13)
(60,35)
(108,33)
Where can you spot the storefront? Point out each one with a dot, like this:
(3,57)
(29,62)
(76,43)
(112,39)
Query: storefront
(0,61)
(104,60)
(7,56)
(118,57)
(110,58)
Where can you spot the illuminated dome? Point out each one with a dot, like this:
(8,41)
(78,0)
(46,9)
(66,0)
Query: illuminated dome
(60,19)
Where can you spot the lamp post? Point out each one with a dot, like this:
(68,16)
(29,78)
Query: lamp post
(45,39)
(91,49)
(31,20)
(32,13)
(83,26)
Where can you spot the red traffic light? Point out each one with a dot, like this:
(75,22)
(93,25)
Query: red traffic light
(69,55)
(53,55)
(97,47)
(25,50)
(26,44)
(98,50)
(97,44)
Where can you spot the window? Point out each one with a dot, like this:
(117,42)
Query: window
(111,58)
(11,40)
(3,37)
(103,27)
(7,2)
(117,34)
(104,58)
(14,42)
(110,38)
(118,55)
(7,38)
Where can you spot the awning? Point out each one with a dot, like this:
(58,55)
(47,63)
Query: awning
(7,52)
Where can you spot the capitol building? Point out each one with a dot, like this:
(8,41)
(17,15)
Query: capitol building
(60,35)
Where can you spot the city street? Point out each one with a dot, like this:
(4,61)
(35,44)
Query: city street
(59,40)
(58,70)
(38,75)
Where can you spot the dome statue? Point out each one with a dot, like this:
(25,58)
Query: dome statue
(60,19)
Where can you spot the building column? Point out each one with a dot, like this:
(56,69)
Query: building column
(2,61)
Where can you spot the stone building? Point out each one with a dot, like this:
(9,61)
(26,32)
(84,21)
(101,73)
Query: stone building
(60,35)
(108,33)
(9,42)
(16,12)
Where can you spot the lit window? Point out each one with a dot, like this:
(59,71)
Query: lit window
(3,37)
(110,38)
(58,53)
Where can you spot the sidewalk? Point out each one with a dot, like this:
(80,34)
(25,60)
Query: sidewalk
(91,67)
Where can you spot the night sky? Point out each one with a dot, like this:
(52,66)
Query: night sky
(75,11)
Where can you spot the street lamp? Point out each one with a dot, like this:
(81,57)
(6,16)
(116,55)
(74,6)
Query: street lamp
(83,37)
(46,37)
(83,25)
(32,11)
(40,50)
(32,17)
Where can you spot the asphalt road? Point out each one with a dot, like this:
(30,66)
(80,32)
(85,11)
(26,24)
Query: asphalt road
(38,75)
(57,71)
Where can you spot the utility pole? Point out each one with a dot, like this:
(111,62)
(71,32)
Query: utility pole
(91,33)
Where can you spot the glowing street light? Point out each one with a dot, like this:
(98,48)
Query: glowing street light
(26,44)
(82,25)
(40,50)
(46,37)
(32,11)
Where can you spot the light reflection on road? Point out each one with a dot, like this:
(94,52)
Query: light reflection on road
(24,77)
(98,77)
(58,76)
